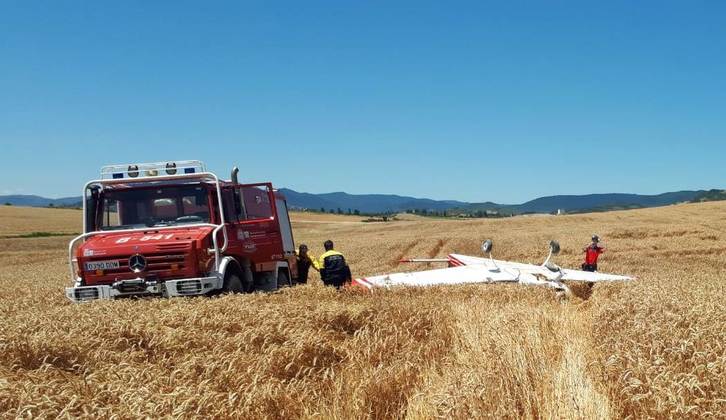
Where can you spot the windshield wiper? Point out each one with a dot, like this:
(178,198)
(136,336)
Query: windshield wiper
(119,227)
(163,223)
(189,219)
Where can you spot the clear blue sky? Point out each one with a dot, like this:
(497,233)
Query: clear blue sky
(501,101)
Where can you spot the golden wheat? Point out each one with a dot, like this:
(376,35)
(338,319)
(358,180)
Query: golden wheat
(23,220)
(652,348)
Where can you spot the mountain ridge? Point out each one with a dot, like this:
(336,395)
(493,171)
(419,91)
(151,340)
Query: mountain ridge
(393,203)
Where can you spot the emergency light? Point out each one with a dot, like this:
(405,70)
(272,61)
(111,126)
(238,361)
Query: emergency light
(171,168)
(135,170)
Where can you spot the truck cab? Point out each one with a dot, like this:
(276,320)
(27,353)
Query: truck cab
(175,229)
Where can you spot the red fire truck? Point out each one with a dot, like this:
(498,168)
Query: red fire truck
(175,229)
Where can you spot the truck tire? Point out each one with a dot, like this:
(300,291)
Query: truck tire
(248,281)
(266,281)
(283,280)
(232,283)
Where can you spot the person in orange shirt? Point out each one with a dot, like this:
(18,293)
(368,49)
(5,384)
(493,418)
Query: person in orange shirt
(592,252)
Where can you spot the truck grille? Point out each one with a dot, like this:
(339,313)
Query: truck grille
(173,247)
(164,262)
(189,287)
(157,263)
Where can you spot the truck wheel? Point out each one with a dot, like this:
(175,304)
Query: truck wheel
(266,281)
(282,279)
(232,284)
(248,281)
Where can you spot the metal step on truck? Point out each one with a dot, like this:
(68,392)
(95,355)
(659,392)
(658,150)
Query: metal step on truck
(175,229)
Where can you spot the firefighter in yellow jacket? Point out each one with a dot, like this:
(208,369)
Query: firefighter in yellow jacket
(334,271)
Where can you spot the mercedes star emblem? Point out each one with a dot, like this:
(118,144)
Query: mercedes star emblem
(137,263)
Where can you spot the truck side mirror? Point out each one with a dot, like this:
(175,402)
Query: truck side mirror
(92,208)
(239,204)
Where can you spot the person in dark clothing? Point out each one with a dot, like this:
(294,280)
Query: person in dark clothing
(304,262)
(592,252)
(334,271)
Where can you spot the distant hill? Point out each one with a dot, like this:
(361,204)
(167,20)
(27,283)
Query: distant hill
(38,201)
(307,200)
(710,195)
(366,203)
(384,203)
(577,203)
(390,203)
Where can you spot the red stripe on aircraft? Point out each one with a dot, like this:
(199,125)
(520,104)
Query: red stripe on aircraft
(364,282)
(455,261)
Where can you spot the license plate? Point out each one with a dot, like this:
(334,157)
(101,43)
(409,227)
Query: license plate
(101,265)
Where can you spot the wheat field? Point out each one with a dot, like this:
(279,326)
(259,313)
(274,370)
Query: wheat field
(653,348)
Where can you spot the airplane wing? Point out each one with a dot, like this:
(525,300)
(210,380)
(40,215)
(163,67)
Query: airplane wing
(578,275)
(464,274)
(567,274)
(442,276)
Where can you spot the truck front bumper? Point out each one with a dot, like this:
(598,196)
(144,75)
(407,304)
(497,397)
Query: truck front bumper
(140,287)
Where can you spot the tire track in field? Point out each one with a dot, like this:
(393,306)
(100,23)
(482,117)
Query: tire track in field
(436,249)
(404,252)
(576,394)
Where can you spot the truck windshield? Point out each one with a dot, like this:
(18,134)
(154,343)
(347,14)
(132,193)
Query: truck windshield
(153,207)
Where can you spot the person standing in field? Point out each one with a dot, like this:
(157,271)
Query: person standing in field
(304,262)
(592,252)
(334,271)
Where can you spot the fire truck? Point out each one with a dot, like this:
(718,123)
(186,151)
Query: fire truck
(175,229)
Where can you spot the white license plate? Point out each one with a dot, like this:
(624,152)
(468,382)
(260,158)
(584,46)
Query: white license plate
(101,265)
